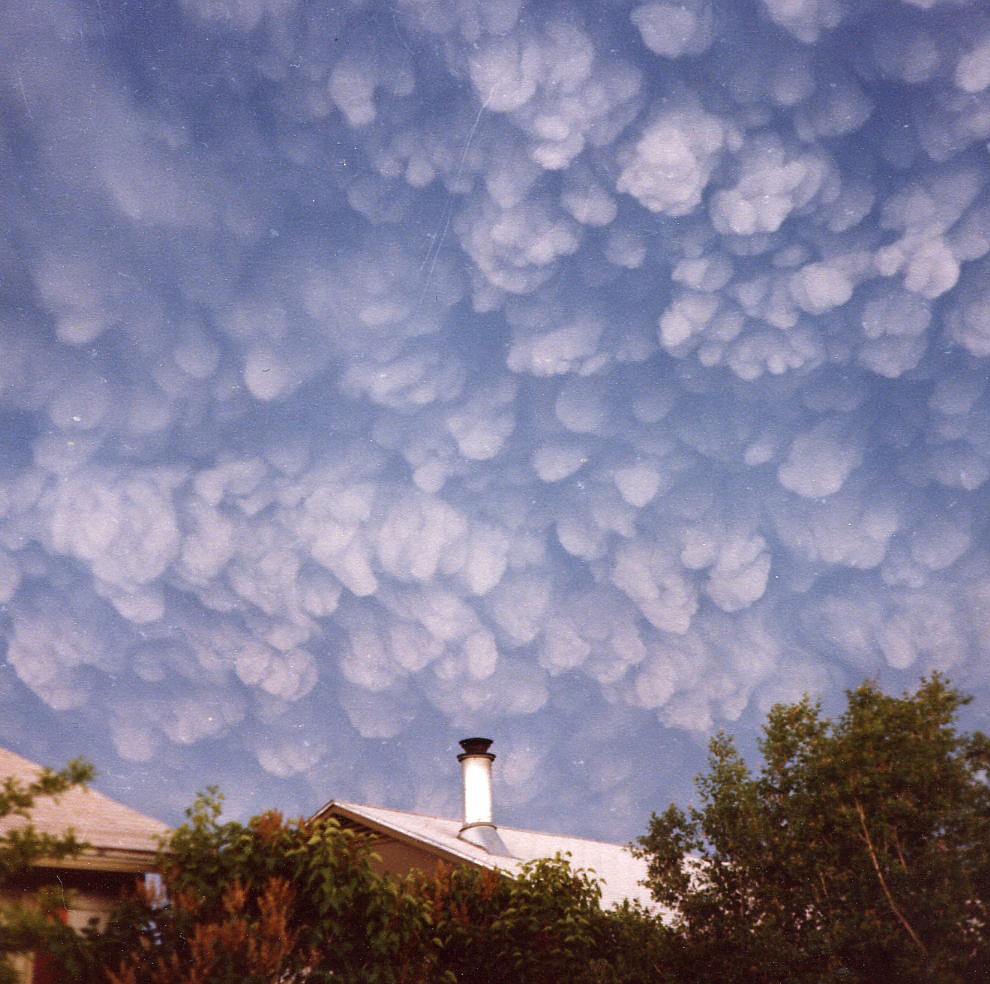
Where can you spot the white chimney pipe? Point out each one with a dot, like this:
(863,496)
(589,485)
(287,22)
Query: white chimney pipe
(476,774)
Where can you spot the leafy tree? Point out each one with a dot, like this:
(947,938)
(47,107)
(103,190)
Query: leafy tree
(26,928)
(252,939)
(276,901)
(544,925)
(860,852)
(303,895)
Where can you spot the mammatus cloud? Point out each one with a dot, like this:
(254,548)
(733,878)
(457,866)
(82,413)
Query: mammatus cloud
(593,378)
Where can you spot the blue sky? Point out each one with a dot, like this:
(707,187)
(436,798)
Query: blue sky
(589,376)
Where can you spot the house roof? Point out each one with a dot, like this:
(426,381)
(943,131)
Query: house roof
(613,865)
(117,837)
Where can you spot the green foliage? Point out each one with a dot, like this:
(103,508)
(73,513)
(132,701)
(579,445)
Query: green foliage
(544,925)
(338,920)
(345,921)
(22,846)
(26,928)
(859,853)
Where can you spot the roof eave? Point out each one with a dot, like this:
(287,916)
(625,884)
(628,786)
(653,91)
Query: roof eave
(104,859)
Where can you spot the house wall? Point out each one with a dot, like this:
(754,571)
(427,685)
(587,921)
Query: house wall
(398,857)
(85,896)
(85,893)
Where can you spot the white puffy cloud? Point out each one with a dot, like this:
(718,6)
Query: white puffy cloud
(657,585)
(775,352)
(555,462)
(699,319)
(558,91)
(973,68)
(408,382)
(843,530)
(894,325)
(688,688)
(544,346)
(469,19)
(923,213)
(668,168)
(195,718)
(581,406)
(806,19)
(819,287)
(834,110)
(968,320)
(941,542)
(673,30)
(126,532)
(737,571)
(483,423)
(909,630)
(84,294)
(773,182)
(516,688)
(819,461)
(50,651)
(519,606)
(638,484)
(517,249)
(587,199)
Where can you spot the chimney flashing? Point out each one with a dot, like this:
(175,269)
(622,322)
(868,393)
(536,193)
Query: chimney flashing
(485,836)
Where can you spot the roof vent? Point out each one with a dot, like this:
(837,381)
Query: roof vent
(476,773)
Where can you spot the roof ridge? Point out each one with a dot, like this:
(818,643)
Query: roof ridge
(86,788)
(435,816)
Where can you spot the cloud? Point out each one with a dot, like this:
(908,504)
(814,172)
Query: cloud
(372,375)
(673,30)
(669,166)
(772,184)
(806,19)
(819,461)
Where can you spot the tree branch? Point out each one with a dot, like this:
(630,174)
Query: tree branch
(883,883)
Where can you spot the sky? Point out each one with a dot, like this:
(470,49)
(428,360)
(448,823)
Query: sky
(589,376)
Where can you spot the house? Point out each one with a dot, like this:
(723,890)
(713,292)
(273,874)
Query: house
(120,847)
(404,841)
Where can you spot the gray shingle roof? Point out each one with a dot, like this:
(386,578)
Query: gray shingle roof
(118,837)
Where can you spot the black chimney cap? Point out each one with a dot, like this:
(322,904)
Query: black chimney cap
(475,746)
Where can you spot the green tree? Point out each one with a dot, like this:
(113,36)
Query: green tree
(304,893)
(860,852)
(544,925)
(281,901)
(25,927)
